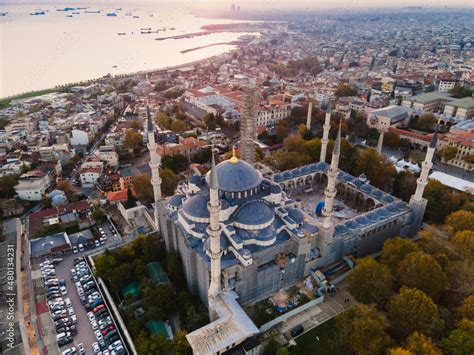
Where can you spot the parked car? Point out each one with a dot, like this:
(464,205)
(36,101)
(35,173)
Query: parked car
(69,351)
(75,249)
(81,348)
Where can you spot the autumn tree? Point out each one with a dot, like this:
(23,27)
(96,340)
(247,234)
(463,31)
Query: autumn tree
(294,143)
(345,90)
(178,126)
(370,282)
(143,188)
(136,124)
(283,160)
(364,329)
(312,148)
(420,270)
(463,241)
(163,120)
(132,140)
(461,220)
(441,201)
(180,343)
(395,250)
(426,122)
(449,152)
(68,189)
(391,139)
(413,310)
(459,342)
(379,171)
(466,309)
(420,344)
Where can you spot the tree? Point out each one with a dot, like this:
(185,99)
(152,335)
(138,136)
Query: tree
(97,214)
(420,270)
(133,140)
(426,122)
(294,143)
(420,344)
(379,171)
(136,124)
(461,220)
(391,139)
(413,310)
(178,162)
(404,185)
(395,250)
(370,282)
(163,120)
(169,181)
(130,203)
(364,329)
(68,189)
(345,90)
(466,309)
(143,188)
(449,152)
(178,126)
(312,148)
(459,342)
(273,347)
(459,91)
(441,201)
(464,243)
(283,160)
(180,343)
(7,186)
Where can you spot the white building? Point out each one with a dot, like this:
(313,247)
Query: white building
(108,154)
(90,173)
(32,185)
(446,85)
(79,137)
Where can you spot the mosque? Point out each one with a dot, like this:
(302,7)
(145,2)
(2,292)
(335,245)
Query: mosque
(242,236)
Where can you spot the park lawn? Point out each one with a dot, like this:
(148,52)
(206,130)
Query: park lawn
(327,343)
(6,102)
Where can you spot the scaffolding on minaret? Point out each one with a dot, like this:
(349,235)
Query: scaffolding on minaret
(247,125)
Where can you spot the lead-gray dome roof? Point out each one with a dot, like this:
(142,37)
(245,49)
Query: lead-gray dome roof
(235,175)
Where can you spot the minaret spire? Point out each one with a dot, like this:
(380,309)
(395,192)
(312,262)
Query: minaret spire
(308,119)
(326,128)
(155,162)
(425,169)
(380,143)
(214,232)
(327,227)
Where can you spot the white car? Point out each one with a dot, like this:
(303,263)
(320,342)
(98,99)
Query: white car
(98,335)
(94,325)
(73,319)
(68,302)
(91,316)
(75,249)
(81,247)
(103,240)
(81,348)
(97,243)
(69,351)
(96,348)
(63,290)
(70,311)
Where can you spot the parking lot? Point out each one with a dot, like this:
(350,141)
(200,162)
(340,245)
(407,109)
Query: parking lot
(62,271)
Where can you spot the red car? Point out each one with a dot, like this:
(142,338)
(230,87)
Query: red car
(98,308)
(108,329)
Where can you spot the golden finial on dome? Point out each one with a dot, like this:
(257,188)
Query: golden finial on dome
(234,159)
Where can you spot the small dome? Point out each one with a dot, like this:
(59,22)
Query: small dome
(176,200)
(196,206)
(387,199)
(254,213)
(296,215)
(236,175)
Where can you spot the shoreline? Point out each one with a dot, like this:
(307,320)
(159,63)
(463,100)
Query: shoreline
(116,76)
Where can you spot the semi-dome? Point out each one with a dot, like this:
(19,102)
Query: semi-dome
(196,206)
(235,175)
(255,213)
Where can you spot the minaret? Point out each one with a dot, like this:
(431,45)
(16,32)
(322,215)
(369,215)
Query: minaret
(308,119)
(326,128)
(380,143)
(327,227)
(417,202)
(155,162)
(214,232)
(247,125)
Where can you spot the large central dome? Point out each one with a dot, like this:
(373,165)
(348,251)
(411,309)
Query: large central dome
(235,175)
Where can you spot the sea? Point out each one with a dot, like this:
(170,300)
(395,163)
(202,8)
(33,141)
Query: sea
(42,47)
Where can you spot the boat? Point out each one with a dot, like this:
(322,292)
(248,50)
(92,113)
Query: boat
(68,15)
(76,13)
(145,29)
(128,14)
(37,13)
(114,66)
(121,33)
(111,14)
(3,13)
(93,12)
(136,16)
(172,28)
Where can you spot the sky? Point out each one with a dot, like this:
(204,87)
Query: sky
(275,4)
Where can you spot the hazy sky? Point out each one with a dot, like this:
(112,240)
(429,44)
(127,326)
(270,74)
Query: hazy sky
(262,4)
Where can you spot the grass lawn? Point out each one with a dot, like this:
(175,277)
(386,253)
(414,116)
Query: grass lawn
(6,102)
(327,343)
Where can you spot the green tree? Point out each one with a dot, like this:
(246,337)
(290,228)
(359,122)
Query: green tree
(404,185)
(131,201)
(420,270)
(370,282)
(180,343)
(7,184)
(466,309)
(169,181)
(178,162)
(97,214)
(460,91)
(413,310)
(441,201)
(459,342)
(379,171)
(364,329)
(345,90)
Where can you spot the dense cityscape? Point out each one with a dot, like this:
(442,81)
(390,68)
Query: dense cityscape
(310,191)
